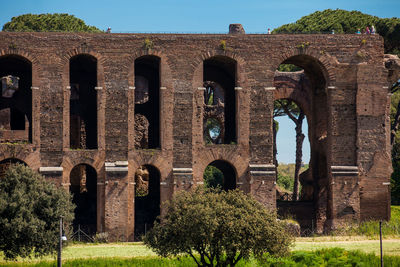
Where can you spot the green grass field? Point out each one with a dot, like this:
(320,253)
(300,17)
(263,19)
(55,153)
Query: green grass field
(121,254)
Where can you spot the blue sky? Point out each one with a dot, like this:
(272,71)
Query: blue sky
(204,16)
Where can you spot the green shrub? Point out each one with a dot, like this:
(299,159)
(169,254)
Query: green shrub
(222,227)
(30,210)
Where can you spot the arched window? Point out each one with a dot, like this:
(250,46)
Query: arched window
(147,106)
(15,98)
(147,198)
(219,108)
(83,102)
(83,179)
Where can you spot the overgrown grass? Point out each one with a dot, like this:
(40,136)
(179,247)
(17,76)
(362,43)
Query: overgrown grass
(325,257)
(371,228)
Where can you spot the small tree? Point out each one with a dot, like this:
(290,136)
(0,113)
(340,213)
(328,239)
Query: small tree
(220,227)
(30,210)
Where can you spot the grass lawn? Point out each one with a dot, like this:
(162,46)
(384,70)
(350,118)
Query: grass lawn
(129,250)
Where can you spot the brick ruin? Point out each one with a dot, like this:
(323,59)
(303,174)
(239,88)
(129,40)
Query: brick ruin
(124,121)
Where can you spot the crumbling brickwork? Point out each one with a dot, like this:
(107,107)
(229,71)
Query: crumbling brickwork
(346,105)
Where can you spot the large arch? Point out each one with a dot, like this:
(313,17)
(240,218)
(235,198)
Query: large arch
(312,209)
(16,98)
(147,198)
(83,187)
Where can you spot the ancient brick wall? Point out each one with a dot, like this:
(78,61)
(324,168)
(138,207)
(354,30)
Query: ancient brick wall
(347,106)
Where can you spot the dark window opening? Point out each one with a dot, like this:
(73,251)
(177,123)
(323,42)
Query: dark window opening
(16,96)
(219,98)
(83,102)
(147,199)
(83,188)
(220,174)
(147,95)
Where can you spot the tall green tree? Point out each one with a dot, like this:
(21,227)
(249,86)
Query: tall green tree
(48,23)
(30,210)
(343,21)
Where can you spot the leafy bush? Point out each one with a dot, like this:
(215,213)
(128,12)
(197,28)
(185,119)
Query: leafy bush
(222,227)
(30,210)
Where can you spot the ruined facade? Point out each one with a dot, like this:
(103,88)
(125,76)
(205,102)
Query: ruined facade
(90,110)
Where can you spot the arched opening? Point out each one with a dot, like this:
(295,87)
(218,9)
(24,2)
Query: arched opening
(219,107)
(301,95)
(7,163)
(147,102)
(83,102)
(147,199)
(220,173)
(83,179)
(16,99)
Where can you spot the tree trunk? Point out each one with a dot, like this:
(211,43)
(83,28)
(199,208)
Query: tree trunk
(299,155)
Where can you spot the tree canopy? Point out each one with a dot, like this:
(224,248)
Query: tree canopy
(30,210)
(48,23)
(343,21)
(217,228)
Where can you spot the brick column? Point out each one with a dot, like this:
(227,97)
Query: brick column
(263,184)
(118,204)
(345,198)
(182,179)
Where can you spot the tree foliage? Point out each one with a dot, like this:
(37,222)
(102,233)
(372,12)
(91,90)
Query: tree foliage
(343,21)
(217,228)
(213,177)
(30,210)
(48,23)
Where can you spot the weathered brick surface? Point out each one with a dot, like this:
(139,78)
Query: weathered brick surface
(346,106)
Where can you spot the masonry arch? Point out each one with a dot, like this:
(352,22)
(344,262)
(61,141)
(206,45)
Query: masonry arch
(220,173)
(83,187)
(16,98)
(83,102)
(312,97)
(147,198)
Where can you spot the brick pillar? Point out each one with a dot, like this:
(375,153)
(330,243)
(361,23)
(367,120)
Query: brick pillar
(263,184)
(118,203)
(182,179)
(35,116)
(345,197)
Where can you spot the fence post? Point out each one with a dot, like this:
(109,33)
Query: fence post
(380,239)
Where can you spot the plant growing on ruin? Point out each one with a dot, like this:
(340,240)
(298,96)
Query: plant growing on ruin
(217,228)
(30,210)
(148,44)
(222,45)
